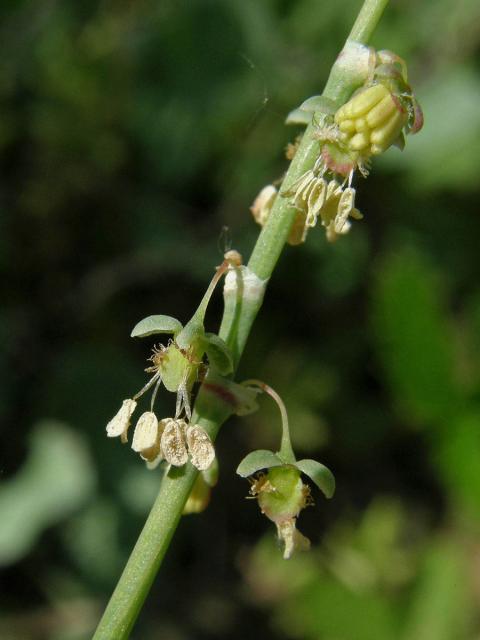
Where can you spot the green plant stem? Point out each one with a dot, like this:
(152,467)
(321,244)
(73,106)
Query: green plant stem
(367,20)
(152,544)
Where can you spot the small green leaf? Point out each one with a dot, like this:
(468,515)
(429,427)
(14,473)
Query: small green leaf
(156,324)
(297,116)
(319,103)
(256,460)
(218,353)
(303,114)
(319,474)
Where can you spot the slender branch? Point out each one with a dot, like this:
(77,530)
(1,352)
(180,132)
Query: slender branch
(367,20)
(153,542)
(286,450)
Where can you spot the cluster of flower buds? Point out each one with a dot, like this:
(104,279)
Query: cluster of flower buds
(170,439)
(377,116)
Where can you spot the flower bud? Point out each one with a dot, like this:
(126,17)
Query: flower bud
(281,493)
(371,121)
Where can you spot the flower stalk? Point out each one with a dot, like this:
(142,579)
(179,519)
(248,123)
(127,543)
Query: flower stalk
(209,412)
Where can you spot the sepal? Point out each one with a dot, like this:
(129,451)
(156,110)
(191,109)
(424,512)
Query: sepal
(304,113)
(319,474)
(152,325)
(256,460)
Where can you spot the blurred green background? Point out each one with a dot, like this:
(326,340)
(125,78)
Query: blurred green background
(131,134)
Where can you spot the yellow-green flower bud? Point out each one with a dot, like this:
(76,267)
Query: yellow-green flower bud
(281,493)
(371,121)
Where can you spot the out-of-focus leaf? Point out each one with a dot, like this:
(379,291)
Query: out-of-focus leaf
(441,607)
(457,455)
(56,479)
(372,554)
(413,339)
(445,152)
(93,541)
(327,609)
(270,579)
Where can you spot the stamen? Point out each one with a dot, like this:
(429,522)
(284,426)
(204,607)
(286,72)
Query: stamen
(155,391)
(147,386)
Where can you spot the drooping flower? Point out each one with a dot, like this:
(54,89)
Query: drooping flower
(280,492)
(179,364)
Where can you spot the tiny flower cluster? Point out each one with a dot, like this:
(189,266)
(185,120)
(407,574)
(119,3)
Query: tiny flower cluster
(377,116)
(371,121)
(317,195)
(170,439)
(314,197)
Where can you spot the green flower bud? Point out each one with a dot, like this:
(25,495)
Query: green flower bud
(177,366)
(281,493)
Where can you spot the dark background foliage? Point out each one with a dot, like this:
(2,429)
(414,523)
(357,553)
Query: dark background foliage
(131,134)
